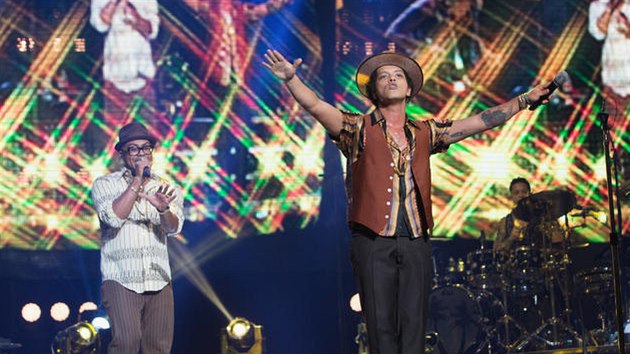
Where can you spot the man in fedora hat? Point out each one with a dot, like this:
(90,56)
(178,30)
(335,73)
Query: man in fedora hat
(389,188)
(137,212)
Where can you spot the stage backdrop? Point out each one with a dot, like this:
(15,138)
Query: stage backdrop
(249,160)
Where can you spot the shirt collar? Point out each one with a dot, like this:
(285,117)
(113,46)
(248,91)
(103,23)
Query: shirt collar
(377,118)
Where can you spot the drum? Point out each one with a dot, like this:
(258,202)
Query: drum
(526,273)
(483,269)
(597,280)
(454,274)
(461,318)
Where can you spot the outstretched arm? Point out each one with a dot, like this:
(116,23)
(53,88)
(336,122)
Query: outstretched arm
(327,115)
(491,117)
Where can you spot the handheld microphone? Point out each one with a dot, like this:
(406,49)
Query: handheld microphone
(146,172)
(558,81)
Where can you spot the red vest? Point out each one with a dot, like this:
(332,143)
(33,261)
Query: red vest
(371,185)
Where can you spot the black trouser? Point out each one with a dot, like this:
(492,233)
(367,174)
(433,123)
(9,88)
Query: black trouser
(393,276)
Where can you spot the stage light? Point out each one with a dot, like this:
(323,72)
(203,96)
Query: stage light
(459,86)
(81,337)
(355,303)
(31,312)
(59,311)
(87,306)
(601,216)
(97,318)
(79,45)
(241,337)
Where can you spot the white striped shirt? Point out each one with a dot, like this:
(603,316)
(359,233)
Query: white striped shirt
(134,250)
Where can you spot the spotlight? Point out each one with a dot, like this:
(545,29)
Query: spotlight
(241,337)
(87,306)
(59,311)
(97,318)
(80,338)
(355,303)
(31,312)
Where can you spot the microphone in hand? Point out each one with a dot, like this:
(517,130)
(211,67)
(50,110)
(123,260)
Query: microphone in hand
(146,172)
(558,81)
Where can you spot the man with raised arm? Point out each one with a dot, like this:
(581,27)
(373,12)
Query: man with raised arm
(388,186)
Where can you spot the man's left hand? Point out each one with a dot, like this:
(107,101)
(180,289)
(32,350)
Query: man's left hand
(161,199)
(537,92)
(138,23)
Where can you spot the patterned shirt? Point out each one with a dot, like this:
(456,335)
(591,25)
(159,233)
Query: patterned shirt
(134,250)
(404,204)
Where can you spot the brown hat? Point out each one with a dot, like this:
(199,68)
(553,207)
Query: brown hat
(133,131)
(410,66)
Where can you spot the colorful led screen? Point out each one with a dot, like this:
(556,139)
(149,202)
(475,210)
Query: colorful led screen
(249,160)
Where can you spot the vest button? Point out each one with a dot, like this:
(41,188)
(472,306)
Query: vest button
(389,203)
(386,216)
(389,190)
(391,164)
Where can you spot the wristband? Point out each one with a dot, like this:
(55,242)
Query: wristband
(522,104)
(164,211)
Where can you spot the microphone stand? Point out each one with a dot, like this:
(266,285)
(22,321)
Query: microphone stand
(615,226)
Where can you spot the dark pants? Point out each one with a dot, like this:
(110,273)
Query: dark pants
(394,278)
(139,320)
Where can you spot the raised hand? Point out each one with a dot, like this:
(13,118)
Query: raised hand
(162,197)
(137,22)
(279,66)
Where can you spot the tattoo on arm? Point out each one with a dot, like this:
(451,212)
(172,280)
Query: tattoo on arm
(493,118)
(456,134)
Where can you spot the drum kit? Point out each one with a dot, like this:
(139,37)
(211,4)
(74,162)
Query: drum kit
(520,300)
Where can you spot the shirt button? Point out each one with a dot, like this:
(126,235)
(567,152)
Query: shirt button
(389,190)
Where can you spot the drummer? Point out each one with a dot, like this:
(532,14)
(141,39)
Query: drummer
(512,231)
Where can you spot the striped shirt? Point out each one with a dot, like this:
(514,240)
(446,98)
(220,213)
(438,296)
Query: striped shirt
(406,216)
(134,250)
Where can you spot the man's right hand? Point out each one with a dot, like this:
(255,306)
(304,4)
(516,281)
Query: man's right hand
(328,116)
(279,66)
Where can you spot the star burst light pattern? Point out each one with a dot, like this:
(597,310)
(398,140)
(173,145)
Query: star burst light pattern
(556,147)
(247,157)
(244,164)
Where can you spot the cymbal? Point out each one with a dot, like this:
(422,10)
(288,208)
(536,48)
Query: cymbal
(546,205)
(581,245)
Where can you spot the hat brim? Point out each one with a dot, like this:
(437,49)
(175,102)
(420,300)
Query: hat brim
(369,65)
(122,143)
